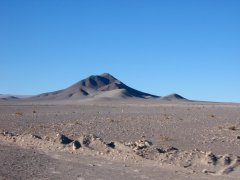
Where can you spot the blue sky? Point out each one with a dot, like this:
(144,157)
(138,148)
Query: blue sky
(190,47)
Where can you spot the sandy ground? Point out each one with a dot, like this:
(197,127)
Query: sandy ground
(120,140)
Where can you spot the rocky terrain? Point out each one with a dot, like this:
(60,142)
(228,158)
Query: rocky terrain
(182,140)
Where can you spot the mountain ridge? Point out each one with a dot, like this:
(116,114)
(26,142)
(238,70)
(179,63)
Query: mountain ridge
(96,87)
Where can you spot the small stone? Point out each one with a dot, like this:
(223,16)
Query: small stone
(159,150)
(226,159)
(140,144)
(211,158)
(187,165)
(88,139)
(148,143)
(238,137)
(35,136)
(76,145)
(172,149)
(205,171)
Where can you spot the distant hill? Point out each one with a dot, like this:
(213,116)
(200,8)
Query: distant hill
(173,97)
(8,97)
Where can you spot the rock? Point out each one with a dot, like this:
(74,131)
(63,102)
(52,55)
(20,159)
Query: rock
(5,133)
(129,144)
(140,144)
(205,171)
(226,160)
(160,150)
(171,149)
(187,164)
(238,137)
(111,145)
(87,139)
(211,158)
(35,136)
(92,165)
(76,145)
(63,139)
(148,143)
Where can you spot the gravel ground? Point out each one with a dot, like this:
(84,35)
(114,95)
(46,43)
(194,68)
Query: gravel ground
(186,126)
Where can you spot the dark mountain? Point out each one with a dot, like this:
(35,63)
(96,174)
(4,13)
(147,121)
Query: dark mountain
(94,86)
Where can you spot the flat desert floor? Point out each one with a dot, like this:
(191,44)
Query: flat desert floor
(120,141)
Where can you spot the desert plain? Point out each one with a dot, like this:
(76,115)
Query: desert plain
(116,135)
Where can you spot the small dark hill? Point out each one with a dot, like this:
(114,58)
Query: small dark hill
(173,97)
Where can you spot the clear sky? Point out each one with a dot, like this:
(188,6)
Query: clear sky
(191,47)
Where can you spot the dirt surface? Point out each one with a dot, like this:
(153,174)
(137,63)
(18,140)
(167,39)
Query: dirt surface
(133,140)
